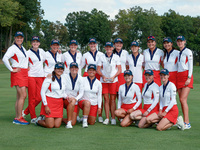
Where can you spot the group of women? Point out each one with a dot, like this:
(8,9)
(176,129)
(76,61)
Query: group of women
(115,74)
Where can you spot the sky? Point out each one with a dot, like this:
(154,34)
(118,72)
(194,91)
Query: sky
(57,10)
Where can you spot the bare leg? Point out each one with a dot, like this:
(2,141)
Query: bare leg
(74,116)
(106,105)
(113,105)
(57,122)
(126,121)
(47,123)
(70,110)
(120,113)
(143,123)
(91,120)
(136,115)
(183,95)
(164,124)
(21,96)
(153,118)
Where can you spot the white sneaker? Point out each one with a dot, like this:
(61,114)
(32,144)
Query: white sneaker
(113,121)
(106,121)
(39,118)
(121,120)
(180,123)
(33,120)
(85,124)
(100,119)
(69,125)
(78,119)
(187,126)
(23,114)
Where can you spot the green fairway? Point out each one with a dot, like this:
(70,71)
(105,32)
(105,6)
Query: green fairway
(98,136)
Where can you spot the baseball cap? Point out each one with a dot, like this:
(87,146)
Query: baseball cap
(128,72)
(19,33)
(109,44)
(180,37)
(149,71)
(73,64)
(36,38)
(92,66)
(55,42)
(118,40)
(92,40)
(135,43)
(73,42)
(167,39)
(151,38)
(164,71)
(59,65)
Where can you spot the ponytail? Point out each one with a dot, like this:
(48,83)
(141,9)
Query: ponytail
(53,76)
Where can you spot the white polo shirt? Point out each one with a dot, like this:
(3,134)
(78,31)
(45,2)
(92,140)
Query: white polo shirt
(150,95)
(74,87)
(54,89)
(36,60)
(185,61)
(171,60)
(17,57)
(114,62)
(92,91)
(89,58)
(123,58)
(135,65)
(68,58)
(167,96)
(50,62)
(152,61)
(129,95)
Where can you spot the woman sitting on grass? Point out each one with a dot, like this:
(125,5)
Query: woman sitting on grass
(52,92)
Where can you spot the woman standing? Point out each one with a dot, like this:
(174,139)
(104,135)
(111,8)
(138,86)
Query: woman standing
(170,61)
(19,74)
(153,58)
(52,57)
(129,99)
(135,62)
(74,92)
(118,43)
(36,57)
(168,113)
(185,77)
(150,97)
(92,98)
(109,68)
(92,57)
(53,92)
(72,56)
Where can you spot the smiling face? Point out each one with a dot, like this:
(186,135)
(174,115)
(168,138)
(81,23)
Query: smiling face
(35,44)
(168,45)
(149,78)
(19,40)
(74,70)
(128,78)
(109,49)
(151,44)
(181,44)
(93,46)
(54,48)
(164,78)
(91,72)
(134,49)
(59,71)
(73,47)
(118,46)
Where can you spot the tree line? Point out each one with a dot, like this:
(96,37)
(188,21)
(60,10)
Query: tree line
(130,24)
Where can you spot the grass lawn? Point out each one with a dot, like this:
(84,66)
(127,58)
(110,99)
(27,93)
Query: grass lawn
(96,137)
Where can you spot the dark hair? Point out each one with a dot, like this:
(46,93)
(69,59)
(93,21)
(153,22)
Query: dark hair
(114,51)
(53,75)
(165,51)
